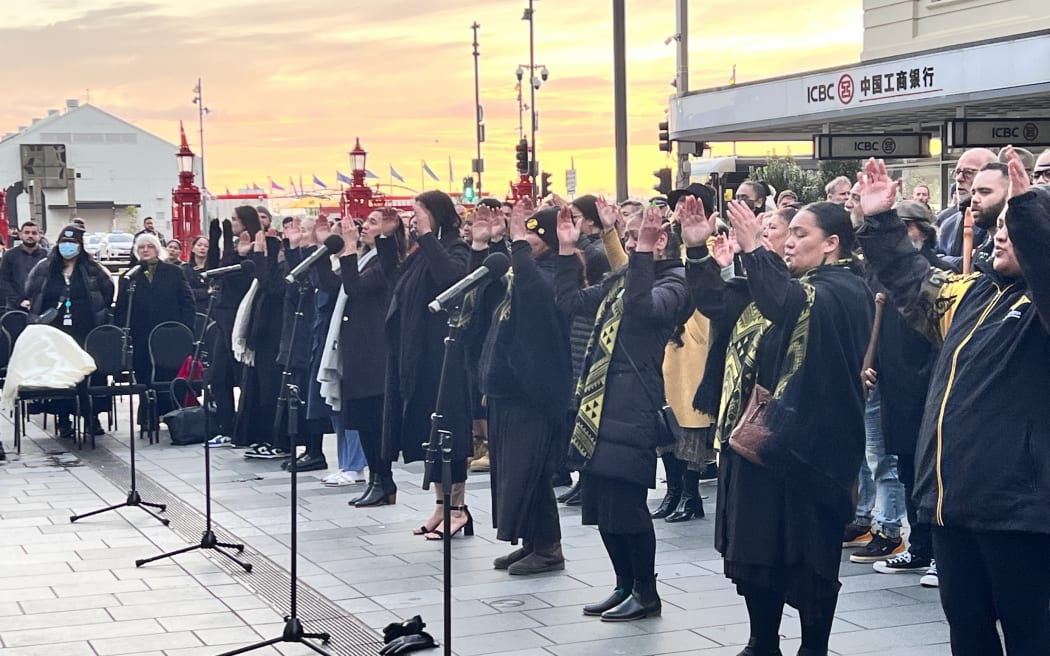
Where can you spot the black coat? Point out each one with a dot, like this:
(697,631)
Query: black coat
(166,298)
(362,338)
(14,272)
(198,287)
(656,301)
(99,286)
(416,341)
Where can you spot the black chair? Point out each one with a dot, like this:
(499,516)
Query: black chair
(27,395)
(106,345)
(14,322)
(170,343)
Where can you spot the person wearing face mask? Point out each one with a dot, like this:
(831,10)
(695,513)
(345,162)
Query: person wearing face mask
(753,194)
(161,294)
(799,328)
(70,291)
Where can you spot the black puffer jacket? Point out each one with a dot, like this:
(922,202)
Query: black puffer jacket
(656,300)
(99,286)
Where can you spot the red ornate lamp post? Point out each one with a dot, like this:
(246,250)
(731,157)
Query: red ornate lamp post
(185,199)
(357,199)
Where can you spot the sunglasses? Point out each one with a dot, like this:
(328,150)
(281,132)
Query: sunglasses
(1043,174)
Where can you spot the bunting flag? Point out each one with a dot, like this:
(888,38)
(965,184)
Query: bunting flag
(370,175)
(297,192)
(318,183)
(428,171)
(397,176)
(227,191)
(341,177)
(256,187)
(273,185)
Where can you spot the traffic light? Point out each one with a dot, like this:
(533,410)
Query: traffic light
(665,137)
(522,150)
(664,185)
(468,189)
(545,184)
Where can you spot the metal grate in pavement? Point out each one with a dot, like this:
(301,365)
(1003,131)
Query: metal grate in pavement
(350,636)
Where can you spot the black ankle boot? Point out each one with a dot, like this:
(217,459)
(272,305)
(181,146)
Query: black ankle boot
(807,651)
(754,648)
(690,505)
(618,596)
(643,602)
(372,479)
(673,467)
(384,493)
(571,492)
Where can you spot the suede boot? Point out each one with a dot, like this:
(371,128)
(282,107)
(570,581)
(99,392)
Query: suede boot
(504,562)
(544,558)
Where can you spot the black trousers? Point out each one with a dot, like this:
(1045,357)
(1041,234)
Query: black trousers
(994,575)
(920,542)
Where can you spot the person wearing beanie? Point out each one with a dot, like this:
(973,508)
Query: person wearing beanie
(514,320)
(70,291)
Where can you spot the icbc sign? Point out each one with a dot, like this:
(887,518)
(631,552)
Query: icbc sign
(827,92)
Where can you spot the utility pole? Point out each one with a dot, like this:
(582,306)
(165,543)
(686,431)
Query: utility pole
(534,164)
(682,83)
(620,97)
(198,100)
(479,114)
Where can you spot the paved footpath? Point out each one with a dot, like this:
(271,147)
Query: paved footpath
(72,589)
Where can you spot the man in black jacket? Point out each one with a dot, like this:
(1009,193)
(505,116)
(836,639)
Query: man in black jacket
(986,411)
(16,265)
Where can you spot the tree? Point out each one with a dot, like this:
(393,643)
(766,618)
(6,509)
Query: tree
(133,214)
(833,168)
(785,173)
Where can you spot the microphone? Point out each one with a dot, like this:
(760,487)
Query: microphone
(333,244)
(133,270)
(494,266)
(246,266)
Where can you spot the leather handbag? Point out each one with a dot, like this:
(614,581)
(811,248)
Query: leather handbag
(752,431)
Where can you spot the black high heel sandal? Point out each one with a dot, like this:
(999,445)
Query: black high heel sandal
(424,529)
(468,528)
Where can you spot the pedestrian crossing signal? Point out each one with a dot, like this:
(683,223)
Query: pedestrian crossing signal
(468,189)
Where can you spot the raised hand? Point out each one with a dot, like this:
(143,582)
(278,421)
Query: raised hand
(424,220)
(877,191)
(260,242)
(294,233)
(351,236)
(652,228)
(499,226)
(697,227)
(522,210)
(722,251)
(568,232)
(1019,180)
(214,231)
(481,234)
(244,244)
(608,214)
(747,227)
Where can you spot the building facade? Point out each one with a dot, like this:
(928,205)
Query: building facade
(122,173)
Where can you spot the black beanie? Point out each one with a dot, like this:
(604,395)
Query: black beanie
(545,224)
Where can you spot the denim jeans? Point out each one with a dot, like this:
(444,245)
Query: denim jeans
(882,492)
(348,442)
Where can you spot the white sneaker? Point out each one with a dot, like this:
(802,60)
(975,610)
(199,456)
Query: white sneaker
(219,441)
(929,580)
(338,479)
(357,476)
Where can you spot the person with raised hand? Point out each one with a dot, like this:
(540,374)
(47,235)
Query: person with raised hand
(991,534)
(520,342)
(797,329)
(619,394)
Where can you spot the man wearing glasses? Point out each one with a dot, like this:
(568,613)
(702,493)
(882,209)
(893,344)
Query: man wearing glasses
(950,220)
(1041,172)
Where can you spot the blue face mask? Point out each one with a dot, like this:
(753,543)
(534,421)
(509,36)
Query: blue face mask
(68,249)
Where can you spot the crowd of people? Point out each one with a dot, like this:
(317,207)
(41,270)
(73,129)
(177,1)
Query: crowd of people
(656,331)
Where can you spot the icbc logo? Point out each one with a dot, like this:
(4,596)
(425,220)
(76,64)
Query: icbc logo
(845,89)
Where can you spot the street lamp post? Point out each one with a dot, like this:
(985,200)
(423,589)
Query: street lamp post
(535,82)
(357,199)
(198,100)
(185,199)
(479,114)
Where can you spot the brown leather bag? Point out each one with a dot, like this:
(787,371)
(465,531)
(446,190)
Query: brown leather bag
(751,431)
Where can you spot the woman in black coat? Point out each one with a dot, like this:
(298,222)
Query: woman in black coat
(70,282)
(161,294)
(415,338)
(620,394)
(365,267)
(198,264)
(800,331)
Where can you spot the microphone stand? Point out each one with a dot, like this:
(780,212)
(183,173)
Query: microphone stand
(441,441)
(208,538)
(289,401)
(134,500)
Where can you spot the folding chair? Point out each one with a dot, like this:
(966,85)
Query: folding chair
(170,343)
(106,345)
(14,322)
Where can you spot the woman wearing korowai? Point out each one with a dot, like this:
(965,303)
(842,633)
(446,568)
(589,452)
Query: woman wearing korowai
(799,328)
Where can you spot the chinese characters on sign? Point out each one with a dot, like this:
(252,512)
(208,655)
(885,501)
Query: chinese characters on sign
(873,86)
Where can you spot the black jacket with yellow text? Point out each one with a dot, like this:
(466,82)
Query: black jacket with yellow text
(983,452)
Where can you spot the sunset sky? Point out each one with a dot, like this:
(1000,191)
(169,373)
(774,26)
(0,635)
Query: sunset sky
(290,84)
